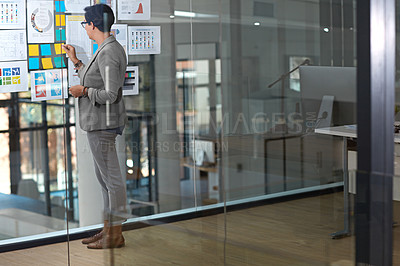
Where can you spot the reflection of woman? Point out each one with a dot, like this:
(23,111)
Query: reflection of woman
(102,115)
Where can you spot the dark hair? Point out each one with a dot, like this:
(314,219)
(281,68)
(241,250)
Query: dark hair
(101,16)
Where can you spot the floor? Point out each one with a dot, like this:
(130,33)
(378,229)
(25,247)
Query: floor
(288,233)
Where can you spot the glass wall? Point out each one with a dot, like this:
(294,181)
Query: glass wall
(246,104)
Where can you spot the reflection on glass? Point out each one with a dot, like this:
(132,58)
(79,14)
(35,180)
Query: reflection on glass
(5,184)
(30,114)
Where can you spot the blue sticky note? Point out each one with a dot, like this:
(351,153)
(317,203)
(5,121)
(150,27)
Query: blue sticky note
(62,6)
(57,3)
(95,46)
(33,63)
(58,35)
(63,38)
(45,49)
(59,62)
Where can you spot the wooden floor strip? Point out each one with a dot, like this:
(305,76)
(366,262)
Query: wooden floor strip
(288,233)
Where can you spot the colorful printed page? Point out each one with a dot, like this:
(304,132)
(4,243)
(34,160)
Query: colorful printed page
(13,76)
(49,85)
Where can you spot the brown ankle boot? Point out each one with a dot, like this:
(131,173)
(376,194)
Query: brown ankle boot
(111,239)
(97,236)
(108,242)
(92,239)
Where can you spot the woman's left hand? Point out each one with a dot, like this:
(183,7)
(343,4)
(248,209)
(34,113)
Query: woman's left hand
(76,91)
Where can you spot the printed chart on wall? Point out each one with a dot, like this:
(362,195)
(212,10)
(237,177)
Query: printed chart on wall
(76,36)
(131,83)
(134,9)
(110,3)
(120,32)
(76,6)
(144,40)
(13,14)
(49,85)
(41,21)
(13,76)
(12,45)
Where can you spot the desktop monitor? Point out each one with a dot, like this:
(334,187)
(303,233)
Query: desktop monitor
(339,82)
(204,152)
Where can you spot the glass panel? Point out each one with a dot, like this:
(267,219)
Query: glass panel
(5,182)
(30,115)
(4,118)
(55,113)
(287,75)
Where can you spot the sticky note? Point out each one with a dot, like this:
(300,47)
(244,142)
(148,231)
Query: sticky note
(47,64)
(62,6)
(59,62)
(57,3)
(58,20)
(33,63)
(95,46)
(33,50)
(62,20)
(45,49)
(57,48)
(63,35)
(58,35)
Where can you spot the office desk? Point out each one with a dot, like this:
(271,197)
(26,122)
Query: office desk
(213,191)
(346,132)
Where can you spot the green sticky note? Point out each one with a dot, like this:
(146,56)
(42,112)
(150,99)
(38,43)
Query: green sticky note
(59,62)
(58,35)
(63,38)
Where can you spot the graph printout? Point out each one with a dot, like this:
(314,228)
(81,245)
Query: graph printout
(76,6)
(131,84)
(134,10)
(144,40)
(41,21)
(12,14)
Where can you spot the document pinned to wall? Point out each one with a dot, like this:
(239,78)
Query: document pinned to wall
(134,9)
(13,14)
(12,45)
(77,37)
(73,78)
(49,85)
(144,40)
(120,32)
(40,21)
(76,6)
(110,3)
(131,83)
(13,76)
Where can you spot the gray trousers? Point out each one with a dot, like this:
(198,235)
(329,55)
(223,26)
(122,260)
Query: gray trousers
(102,146)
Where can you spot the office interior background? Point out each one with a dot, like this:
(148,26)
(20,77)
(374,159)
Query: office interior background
(229,148)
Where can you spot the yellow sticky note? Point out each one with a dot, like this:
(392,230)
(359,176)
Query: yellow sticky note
(62,50)
(62,20)
(47,64)
(57,47)
(58,20)
(34,50)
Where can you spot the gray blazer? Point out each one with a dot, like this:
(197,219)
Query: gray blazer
(92,109)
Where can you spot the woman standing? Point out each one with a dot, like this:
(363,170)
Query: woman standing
(102,116)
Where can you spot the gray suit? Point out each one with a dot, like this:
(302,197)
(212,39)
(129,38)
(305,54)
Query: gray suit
(93,119)
(92,109)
